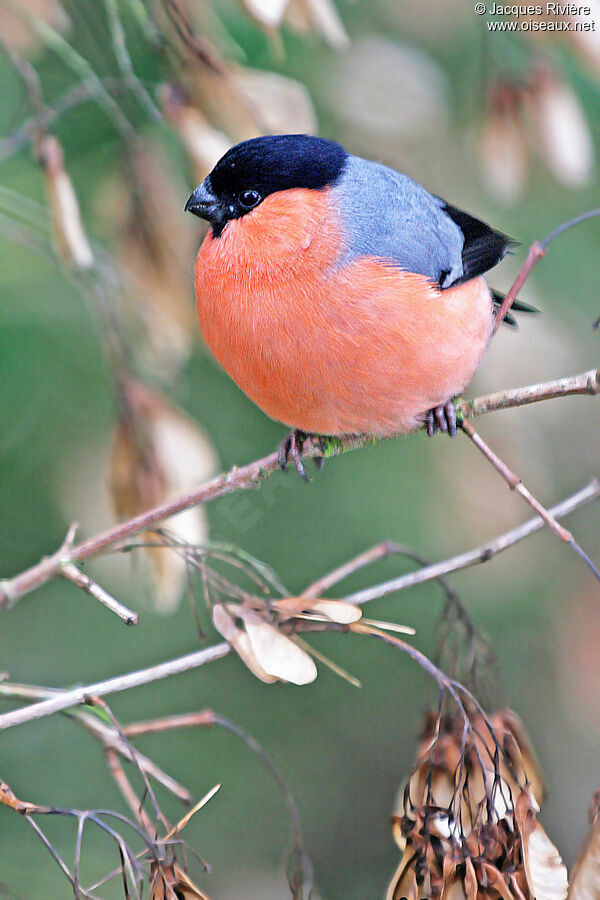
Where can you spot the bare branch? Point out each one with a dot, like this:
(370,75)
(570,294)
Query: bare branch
(66,699)
(83,581)
(57,701)
(515,484)
(249,476)
(536,252)
(480,554)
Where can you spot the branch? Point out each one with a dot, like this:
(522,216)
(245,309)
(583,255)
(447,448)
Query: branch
(59,701)
(516,484)
(536,252)
(65,699)
(480,554)
(249,476)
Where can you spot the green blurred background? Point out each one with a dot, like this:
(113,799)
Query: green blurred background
(418,88)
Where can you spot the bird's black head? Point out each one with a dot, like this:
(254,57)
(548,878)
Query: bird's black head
(252,170)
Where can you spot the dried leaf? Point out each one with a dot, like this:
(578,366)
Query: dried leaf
(154,244)
(496,881)
(70,238)
(545,871)
(512,735)
(338,611)
(189,815)
(390,626)
(455,890)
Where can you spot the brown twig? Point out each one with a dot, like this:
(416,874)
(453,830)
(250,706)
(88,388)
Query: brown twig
(479,554)
(249,476)
(515,484)
(57,700)
(66,699)
(83,581)
(536,252)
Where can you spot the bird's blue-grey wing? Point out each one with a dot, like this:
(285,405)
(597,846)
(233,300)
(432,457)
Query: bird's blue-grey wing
(388,215)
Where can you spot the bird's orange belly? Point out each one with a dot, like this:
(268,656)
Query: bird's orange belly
(367,350)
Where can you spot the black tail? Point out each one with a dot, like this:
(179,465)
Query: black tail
(517,306)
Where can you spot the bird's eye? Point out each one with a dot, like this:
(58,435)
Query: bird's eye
(248,199)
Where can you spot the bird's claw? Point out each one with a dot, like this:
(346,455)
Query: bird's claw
(291,449)
(441,417)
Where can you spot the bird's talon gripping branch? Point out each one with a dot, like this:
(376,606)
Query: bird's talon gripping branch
(291,448)
(441,417)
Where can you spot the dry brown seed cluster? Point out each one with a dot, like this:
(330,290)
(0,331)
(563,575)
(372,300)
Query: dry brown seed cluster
(467,822)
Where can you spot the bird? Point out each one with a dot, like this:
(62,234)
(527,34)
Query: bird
(340,295)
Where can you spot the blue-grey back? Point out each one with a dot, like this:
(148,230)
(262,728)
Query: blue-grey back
(388,215)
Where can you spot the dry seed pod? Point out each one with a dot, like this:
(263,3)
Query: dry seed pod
(205,145)
(225,622)
(503,144)
(278,655)
(281,105)
(332,610)
(154,246)
(70,238)
(326,22)
(268,13)
(562,134)
(461,827)
(269,654)
(158,454)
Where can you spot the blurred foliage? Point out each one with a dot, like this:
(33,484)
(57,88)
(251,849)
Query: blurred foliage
(427,89)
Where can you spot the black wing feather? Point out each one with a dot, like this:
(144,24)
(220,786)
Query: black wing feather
(484,247)
(516,306)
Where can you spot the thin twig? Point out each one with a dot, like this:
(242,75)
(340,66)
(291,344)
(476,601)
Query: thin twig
(60,700)
(84,92)
(125,63)
(515,484)
(480,554)
(249,476)
(66,699)
(83,581)
(78,63)
(536,252)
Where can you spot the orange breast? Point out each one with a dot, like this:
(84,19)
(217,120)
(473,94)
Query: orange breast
(361,349)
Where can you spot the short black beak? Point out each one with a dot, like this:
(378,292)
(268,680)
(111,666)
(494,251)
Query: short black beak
(204,204)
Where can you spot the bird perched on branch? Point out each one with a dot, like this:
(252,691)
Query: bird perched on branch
(341,296)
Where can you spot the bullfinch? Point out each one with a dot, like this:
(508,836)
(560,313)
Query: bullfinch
(341,296)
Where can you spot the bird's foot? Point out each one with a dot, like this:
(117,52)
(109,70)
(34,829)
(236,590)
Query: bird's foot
(441,417)
(291,449)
